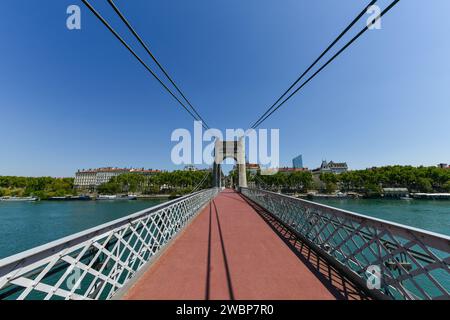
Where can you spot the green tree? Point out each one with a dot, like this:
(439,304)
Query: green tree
(330,187)
(372,190)
(446,186)
(424,185)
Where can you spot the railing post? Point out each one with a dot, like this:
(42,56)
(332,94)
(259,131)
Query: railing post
(354,243)
(108,255)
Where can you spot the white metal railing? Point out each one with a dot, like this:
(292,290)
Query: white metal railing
(96,263)
(392,260)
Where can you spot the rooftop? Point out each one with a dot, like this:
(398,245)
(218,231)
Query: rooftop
(287,169)
(115,169)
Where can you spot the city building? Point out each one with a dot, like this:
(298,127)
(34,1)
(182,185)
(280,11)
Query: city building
(190,168)
(90,179)
(252,168)
(331,167)
(289,170)
(297,162)
(443,166)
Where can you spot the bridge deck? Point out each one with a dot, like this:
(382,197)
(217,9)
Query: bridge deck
(230,251)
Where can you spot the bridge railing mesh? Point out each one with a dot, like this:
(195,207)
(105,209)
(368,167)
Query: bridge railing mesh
(96,263)
(390,259)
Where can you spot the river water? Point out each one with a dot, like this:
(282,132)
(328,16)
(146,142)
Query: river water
(431,215)
(27,225)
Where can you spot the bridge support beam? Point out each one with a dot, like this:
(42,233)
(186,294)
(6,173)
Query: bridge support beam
(242,175)
(230,149)
(217,172)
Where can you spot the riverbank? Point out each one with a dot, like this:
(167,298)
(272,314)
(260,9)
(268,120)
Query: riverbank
(25,225)
(432,196)
(430,215)
(34,223)
(354,195)
(157,196)
(331,196)
(92,198)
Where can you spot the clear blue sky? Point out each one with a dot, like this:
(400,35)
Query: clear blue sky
(77,99)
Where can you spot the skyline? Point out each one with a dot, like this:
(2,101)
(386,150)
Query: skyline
(77,99)
(227,166)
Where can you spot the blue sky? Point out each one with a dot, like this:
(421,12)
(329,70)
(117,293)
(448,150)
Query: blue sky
(77,99)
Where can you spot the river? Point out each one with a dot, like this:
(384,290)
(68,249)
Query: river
(26,225)
(431,215)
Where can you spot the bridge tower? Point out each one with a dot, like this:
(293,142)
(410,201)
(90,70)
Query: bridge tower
(229,149)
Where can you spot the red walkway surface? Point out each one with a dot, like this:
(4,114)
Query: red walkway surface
(230,252)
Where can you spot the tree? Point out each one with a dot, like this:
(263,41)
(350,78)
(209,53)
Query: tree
(330,187)
(300,180)
(111,187)
(424,185)
(328,177)
(372,190)
(446,186)
(330,180)
(176,182)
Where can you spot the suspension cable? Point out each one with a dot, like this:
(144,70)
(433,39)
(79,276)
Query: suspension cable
(201,182)
(317,60)
(139,38)
(330,60)
(125,44)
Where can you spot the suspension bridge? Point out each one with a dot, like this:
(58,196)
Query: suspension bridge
(243,243)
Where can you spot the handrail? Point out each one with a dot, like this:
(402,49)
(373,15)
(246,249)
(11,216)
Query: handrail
(95,263)
(75,238)
(409,263)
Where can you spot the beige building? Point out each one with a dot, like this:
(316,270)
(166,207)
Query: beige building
(90,179)
(331,167)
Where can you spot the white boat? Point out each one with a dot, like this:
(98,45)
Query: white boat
(19,199)
(106,197)
(115,197)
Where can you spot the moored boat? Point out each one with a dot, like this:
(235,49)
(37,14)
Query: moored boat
(116,197)
(19,199)
(81,198)
(70,198)
(106,197)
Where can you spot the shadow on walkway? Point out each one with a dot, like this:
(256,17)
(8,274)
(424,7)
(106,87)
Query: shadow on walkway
(235,250)
(341,287)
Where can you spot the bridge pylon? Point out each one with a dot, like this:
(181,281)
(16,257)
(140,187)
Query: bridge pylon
(229,149)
